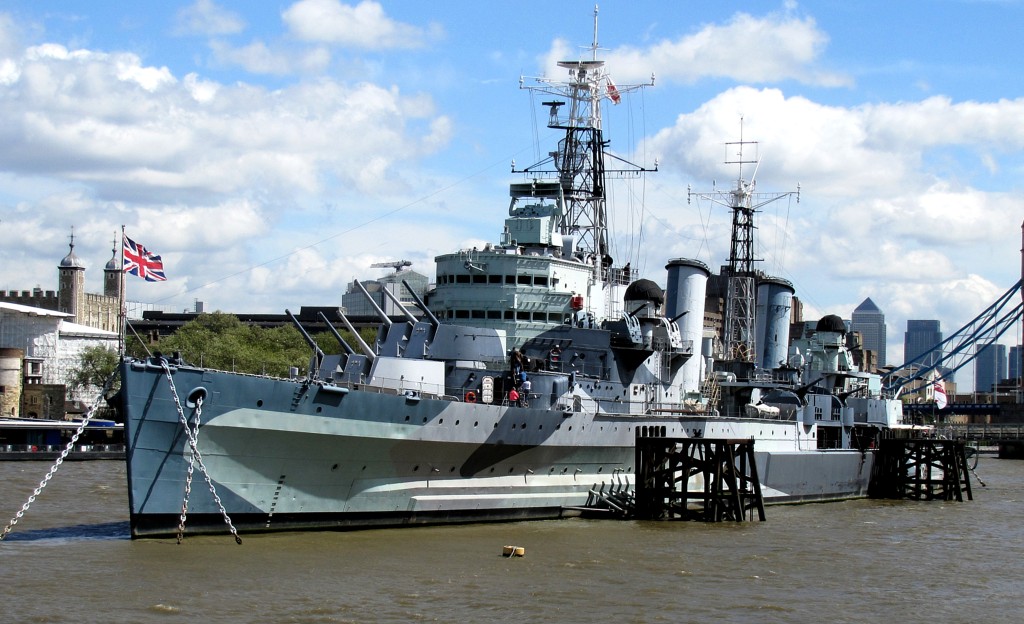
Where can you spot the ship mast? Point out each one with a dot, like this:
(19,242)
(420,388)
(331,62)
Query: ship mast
(739,324)
(579,163)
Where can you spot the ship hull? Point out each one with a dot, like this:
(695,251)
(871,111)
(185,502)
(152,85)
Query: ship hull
(296,455)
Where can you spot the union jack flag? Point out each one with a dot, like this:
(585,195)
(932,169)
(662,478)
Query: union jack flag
(141,262)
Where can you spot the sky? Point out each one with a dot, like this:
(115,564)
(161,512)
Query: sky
(271,152)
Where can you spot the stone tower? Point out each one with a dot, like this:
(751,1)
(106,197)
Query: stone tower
(71,282)
(113,275)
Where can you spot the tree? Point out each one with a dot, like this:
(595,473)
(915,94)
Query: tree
(95,366)
(222,341)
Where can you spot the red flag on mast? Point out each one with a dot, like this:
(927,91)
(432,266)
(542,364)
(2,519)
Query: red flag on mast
(613,93)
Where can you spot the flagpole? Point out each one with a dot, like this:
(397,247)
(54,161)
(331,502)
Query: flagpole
(122,312)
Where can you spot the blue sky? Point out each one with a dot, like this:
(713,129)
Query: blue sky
(272,152)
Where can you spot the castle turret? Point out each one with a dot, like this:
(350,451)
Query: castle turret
(71,282)
(113,275)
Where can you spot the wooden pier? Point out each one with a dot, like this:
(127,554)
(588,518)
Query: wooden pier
(722,472)
(920,469)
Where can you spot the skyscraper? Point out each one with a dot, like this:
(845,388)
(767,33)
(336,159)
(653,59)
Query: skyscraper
(920,339)
(870,322)
(1016,362)
(989,366)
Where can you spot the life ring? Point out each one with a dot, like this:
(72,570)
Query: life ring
(471,397)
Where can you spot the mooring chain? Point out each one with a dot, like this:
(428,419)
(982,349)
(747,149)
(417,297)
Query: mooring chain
(191,470)
(63,455)
(196,456)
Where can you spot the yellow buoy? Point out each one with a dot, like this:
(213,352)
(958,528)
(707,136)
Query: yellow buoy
(513,551)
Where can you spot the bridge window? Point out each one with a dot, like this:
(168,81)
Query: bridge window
(478,314)
(461,279)
(479,279)
(540,280)
(461,314)
(494,279)
(494,315)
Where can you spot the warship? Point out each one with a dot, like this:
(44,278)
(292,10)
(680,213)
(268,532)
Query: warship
(518,385)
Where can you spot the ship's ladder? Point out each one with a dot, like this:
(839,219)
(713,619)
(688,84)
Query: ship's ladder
(711,390)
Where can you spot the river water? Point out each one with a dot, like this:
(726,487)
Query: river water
(70,560)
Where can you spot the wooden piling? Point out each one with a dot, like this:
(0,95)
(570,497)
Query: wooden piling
(920,469)
(705,479)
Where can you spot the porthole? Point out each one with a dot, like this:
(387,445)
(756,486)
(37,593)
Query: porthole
(456,423)
(440,421)
(415,468)
(406,418)
(259,403)
(334,467)
(319,408)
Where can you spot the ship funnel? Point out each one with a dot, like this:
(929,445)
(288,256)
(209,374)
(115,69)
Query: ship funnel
(774,304)
(684,301)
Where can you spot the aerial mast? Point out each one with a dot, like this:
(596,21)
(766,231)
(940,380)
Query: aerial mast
(739,325)
(579,162)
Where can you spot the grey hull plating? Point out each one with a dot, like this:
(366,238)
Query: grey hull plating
(286,455)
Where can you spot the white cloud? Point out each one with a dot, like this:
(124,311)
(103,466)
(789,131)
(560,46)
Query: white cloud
(747,49)
(206,18)
(363,26)
(96,118)
(259,58)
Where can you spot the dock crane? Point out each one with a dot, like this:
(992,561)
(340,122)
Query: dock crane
(397,265)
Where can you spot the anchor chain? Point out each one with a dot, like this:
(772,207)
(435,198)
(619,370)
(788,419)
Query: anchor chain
(196,458)
(63,455)
(191,470)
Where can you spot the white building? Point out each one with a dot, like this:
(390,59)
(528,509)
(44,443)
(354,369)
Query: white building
(52,345)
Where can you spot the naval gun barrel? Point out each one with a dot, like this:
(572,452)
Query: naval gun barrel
(421,305)
(383,317)
(344,345)
(370,355)
(679,316)
(405,311)
(309,340)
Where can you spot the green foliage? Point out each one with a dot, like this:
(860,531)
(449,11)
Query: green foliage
(95,366)
(219,340)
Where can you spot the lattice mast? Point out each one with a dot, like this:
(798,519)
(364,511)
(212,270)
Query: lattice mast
(739,326)
(579,162)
